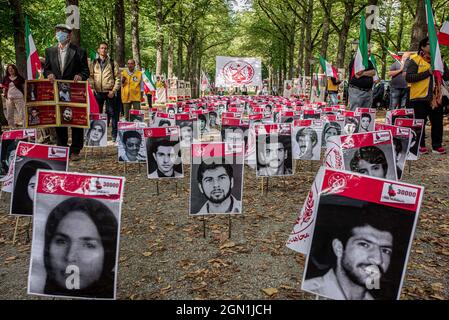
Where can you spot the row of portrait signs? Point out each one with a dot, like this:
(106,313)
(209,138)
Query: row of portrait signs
(356,225)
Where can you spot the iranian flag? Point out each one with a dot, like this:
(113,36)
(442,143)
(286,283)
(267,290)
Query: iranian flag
(328,69)
(148,83)
(443,35)
(33,62)
(361,57)
(394,55)
(435,54)
(93,55)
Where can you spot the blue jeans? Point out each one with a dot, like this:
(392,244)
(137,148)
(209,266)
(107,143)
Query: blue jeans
(111,110)
(398,98)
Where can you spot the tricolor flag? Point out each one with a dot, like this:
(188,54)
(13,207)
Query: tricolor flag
(328,69)
(148,83)
(33,62)
(443,35)
(205,84)
(395,56)
(361,57)
(93,55)
(435,54)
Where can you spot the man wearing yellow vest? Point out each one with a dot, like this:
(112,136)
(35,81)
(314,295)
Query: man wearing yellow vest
(419,76)
(132,88)
(332,90)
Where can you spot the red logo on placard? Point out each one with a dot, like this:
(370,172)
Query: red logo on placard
(239,72)
(337,181)
(391,191)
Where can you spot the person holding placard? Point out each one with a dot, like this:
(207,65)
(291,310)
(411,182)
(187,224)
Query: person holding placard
(67,62)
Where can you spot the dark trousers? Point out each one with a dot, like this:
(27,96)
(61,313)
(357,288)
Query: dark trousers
(150,100)
(62,135)
(111,110)
(423,110)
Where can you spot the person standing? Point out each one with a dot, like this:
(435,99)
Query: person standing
(105,81)
(332,90)
(398,85)
(419,75)
(13,92)
(132,88)
(360,91)
(67,61)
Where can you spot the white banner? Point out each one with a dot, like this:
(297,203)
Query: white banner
(237,72)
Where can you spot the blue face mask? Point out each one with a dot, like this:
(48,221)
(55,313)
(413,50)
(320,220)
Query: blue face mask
(61,36)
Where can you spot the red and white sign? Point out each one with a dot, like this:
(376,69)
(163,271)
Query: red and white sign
(237,72)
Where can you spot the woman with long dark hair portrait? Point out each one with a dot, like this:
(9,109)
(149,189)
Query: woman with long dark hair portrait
(95,133)
(81,233)
(23,194)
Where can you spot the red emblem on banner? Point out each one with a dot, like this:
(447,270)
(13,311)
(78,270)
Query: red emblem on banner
(239,72)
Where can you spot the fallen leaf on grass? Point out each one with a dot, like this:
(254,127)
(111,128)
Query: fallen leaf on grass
(11,258)
(270,291)
(147,254)
(229,244)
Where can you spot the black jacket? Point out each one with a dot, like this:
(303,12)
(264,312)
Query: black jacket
(75,63)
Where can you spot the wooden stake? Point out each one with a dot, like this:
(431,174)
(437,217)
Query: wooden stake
(409,166)
(157,187)
(204,227)
(15,230)
(229,227)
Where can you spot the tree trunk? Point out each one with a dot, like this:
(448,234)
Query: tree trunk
(401,28)
(301,50)
(419,29)
(120,32)
(135,31)
(349,6)
(180,59)
(19,37)
(76,35)
(325,39)
(170,55)
(308,39)
(384,51)
(159,37)
(291,53)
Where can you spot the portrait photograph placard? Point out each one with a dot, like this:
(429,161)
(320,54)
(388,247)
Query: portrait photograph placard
(216,179)
(367,119)
(331,128)
(362,237)
(352,122)
(136,115)
(41,116)
(368,153)
(29,158)
(76,231)
(39,92)
(417,127)
(185,123)
(311,114)
(131,146)
(8,145)
(96,135)
(62,103)
(402,137)
(306,139)
(163,153)
(392,115)
(274,150)
(163,120)
(71,92)
(235,134)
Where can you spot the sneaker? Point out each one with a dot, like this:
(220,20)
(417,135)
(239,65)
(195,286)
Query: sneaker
(423,150)
(75,157)
(439,150)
